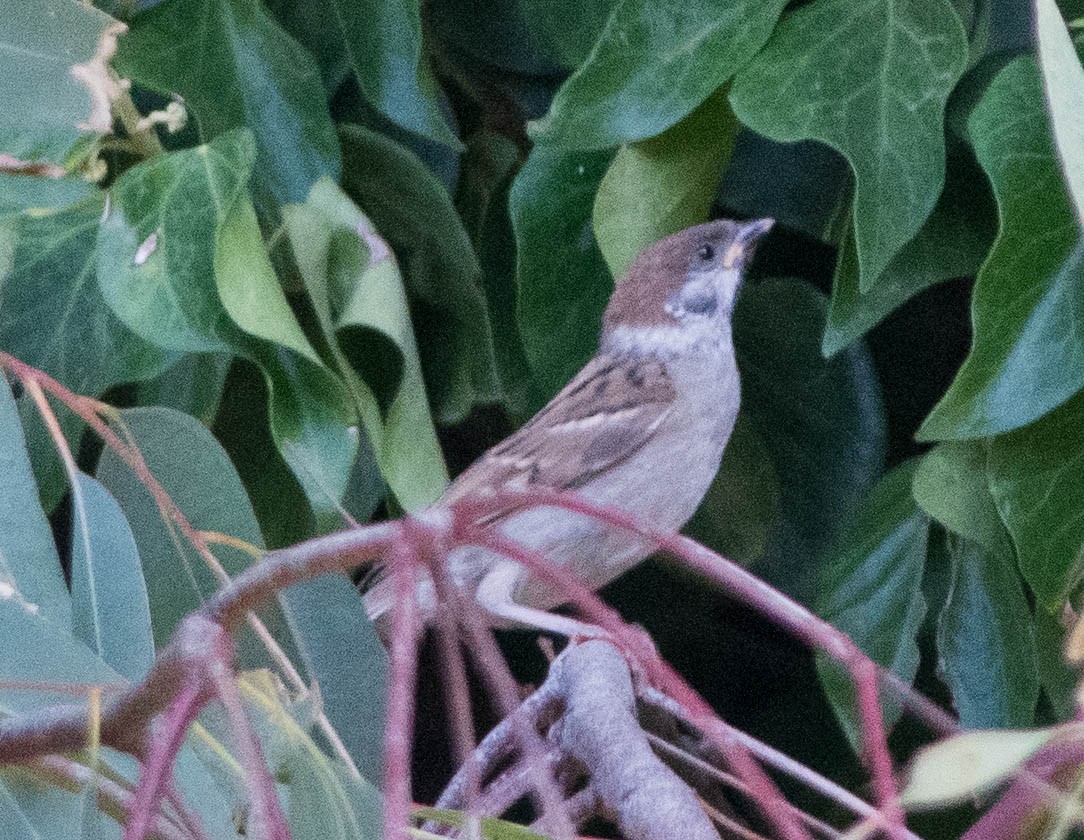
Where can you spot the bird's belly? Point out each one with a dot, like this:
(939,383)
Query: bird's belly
(662,492)
(662,484)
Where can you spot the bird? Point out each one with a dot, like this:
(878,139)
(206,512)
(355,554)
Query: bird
(642,428)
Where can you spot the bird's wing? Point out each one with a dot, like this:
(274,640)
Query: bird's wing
(603,416)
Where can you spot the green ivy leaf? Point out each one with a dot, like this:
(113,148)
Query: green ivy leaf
(193,385)
(1037,478)
(36,57)
(55,317)
(485,177)
(1025,358)
(664,184)
(384,45)
(156,246)
(163,272)
(30,575)
(951,486)
(1063,83)
(952,243)
(871,80)
(561,277)
(568,29)
(355,288)
(414,212)
(237,67)
(651,66)
(871,589)
(110,610)
(247,285)
(985,641)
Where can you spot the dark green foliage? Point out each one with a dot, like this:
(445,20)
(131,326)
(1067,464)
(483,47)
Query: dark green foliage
(393,224)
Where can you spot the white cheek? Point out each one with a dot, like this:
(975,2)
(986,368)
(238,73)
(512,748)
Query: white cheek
(727,281)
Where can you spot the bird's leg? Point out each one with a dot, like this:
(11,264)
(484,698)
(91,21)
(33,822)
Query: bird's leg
(496,595)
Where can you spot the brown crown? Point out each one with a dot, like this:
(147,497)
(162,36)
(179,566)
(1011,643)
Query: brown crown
(661,269)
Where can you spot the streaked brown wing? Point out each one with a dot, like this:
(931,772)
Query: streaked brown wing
(603,416)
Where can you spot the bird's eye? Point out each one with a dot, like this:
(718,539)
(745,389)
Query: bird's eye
(706,253)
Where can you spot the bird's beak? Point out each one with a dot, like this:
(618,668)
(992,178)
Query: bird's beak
(749,233)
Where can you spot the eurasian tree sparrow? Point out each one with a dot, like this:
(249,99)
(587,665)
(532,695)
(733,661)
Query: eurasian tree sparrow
(642,428)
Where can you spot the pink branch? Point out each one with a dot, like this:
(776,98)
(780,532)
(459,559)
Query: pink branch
(402,677)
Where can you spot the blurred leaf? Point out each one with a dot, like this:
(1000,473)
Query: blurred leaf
(200,479)
(951,486)
(1037,480)
(740,508)
(13,823)
(110,611)
(491,829)
(651,66)
(30,575)
(492,46)
(415,214)
(1058,679)
(198,476)
(1063,83)
(952,243)
(561,277)
(238,68)
(1026,357)
(487,167)
(568,30)
(46,465)
(985,641)
(962,767)
(804,186)
(322,801)
(664,184)
(871,590)
(341,649)
(193,385)
(53,812)
(39,196)
(34,649)
(821,422)
(317,29)
(355,288)
(54,315)
(871,80)
(36,57)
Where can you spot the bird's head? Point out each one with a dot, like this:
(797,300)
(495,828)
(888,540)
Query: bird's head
(679,293)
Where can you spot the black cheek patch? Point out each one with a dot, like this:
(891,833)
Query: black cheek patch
(701,302)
